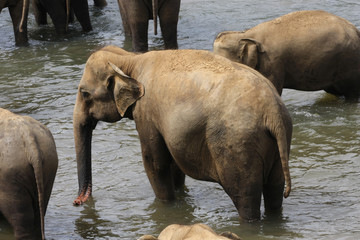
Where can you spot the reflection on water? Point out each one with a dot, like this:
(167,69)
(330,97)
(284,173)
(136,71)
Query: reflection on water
(181,211)
(6,231)
(41,81)
(90,224)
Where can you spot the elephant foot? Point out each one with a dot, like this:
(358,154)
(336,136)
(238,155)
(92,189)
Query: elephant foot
(249,214)
(84,195)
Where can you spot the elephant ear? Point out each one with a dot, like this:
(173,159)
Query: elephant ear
(126,90)
(249,52)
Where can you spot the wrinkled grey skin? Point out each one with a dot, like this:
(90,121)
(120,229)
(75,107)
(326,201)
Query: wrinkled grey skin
(306,50)
(135,16)
(196,231)
(19,10)
(28,165)
(61,12)
(197,114)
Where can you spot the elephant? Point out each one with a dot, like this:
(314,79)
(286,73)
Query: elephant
(28,165)
(196,231)
(197,114)
(305,50)
(19,10)
(60,12)
(135,17)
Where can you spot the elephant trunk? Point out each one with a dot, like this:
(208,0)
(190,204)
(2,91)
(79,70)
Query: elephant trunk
(155,11)
(83,127)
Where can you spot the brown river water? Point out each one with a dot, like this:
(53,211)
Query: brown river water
(41,81)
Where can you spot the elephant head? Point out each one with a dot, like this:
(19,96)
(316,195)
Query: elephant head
(243,50)
(105,93)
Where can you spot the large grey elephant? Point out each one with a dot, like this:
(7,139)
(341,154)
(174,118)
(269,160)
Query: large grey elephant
(306,50)
(197,114)
(135,16)
(28,165)
(196,231)
(19,10)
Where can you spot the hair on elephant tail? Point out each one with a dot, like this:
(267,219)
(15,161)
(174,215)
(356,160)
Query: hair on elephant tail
(25,9)
(155,12)
(35,159)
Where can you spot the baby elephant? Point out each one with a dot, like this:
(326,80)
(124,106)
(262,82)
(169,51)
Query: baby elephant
(306,50)
(28,165)
(193,232)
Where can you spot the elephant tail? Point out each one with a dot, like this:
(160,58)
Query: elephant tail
(36,161)
(25,9)
(282,130)
(155,12)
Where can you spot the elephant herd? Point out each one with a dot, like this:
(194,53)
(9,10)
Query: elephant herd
(215,117)
(135,16)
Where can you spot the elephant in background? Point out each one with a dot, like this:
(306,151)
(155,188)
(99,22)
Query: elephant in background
(61,13)
(197,114)
(196,231)
(19,10)
(135,17)
(305,50)
(28,165)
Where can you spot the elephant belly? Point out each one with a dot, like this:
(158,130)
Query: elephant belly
(194,159)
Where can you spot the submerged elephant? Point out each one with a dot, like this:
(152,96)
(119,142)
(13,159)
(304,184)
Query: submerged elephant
(60,12)
(135,16)
(19,10)
(197,114)
(28,165)
(306,50)
(196,231)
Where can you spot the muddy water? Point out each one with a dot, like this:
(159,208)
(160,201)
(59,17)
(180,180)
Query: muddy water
(41,81)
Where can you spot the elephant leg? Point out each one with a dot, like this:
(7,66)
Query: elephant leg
(348,87)
(100,3)
(135,16)
(57,13)
(157,162)
(21,216)
(81,11)
(39,12)
(168,15)
(20,32)
(71,16)
(139,35)
(124,18)
(178,177)
(242,180)
(274,186)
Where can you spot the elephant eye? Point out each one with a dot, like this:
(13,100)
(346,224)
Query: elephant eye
(85,94)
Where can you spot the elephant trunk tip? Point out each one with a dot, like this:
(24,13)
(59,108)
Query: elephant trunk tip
(287,191)
(83,196)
